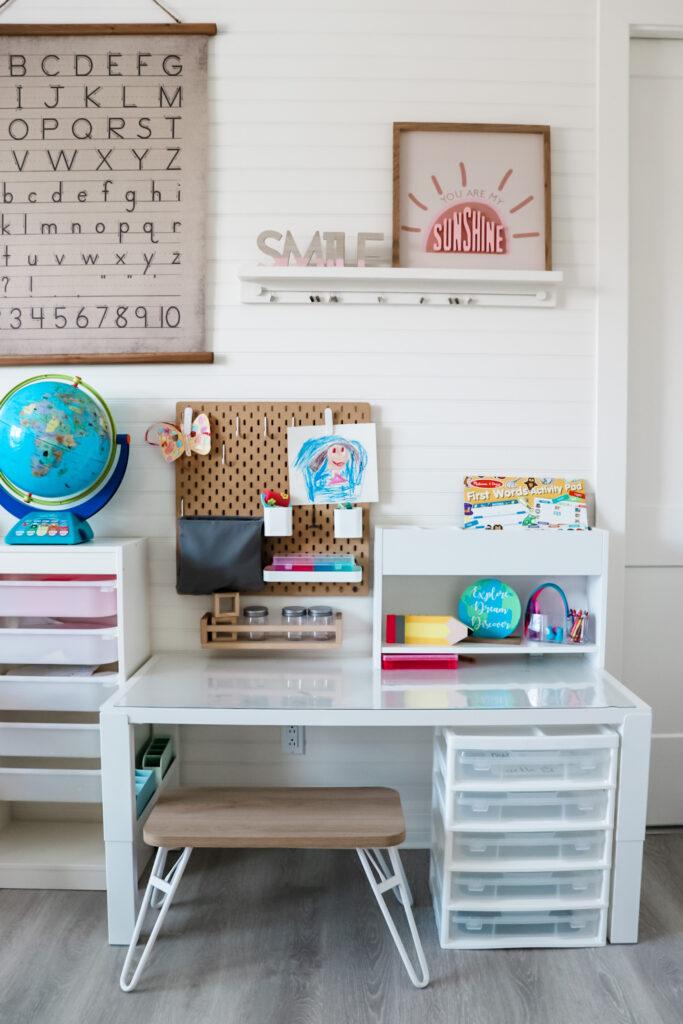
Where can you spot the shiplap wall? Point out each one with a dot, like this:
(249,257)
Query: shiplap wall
(303,97)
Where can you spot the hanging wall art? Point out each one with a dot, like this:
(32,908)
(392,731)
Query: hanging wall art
(102,193)
(472,196)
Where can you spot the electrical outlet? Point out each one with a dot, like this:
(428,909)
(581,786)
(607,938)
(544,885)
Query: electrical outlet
(293,739)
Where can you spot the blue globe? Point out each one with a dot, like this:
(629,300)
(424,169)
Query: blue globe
(57,440)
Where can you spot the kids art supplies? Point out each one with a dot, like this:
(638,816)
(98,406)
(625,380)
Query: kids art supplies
(427,630)
(313,568)
(506,502)
(280,498)
(490,608)
(277,514)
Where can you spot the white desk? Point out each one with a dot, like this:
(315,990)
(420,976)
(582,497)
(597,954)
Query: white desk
(178,689)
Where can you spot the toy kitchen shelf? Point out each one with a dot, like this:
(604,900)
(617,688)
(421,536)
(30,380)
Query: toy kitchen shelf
(73,627)
(425,571)
(407,286)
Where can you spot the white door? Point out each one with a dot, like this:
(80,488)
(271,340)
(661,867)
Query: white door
(653,635)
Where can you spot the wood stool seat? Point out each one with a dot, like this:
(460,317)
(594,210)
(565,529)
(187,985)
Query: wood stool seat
(367,819)
(277,818)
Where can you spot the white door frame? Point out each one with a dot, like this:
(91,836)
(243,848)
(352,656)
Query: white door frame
(619,21)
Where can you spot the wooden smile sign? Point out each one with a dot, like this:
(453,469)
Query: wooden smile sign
(472,196)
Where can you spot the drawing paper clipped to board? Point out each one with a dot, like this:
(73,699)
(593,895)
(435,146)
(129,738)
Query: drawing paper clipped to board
(332,465)
(516,503)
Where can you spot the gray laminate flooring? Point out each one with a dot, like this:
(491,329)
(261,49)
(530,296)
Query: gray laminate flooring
(290,937)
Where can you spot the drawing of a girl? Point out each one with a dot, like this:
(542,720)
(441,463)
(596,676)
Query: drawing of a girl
(333,469)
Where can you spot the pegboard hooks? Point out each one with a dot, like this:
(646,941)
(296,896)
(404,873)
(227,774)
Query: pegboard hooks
(265,427)
(237,426)
(329,422)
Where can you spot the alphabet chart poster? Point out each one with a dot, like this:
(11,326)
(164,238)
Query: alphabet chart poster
(103,142)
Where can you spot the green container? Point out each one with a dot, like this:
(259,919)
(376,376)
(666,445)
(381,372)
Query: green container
(145,785)
(158,755)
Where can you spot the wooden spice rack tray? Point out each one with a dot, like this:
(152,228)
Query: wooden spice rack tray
(226,635)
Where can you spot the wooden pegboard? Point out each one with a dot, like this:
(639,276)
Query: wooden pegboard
(256,459)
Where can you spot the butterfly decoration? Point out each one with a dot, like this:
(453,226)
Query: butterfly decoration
(191,436)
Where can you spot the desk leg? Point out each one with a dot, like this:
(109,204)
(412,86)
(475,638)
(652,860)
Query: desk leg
(118,813)
(629,835)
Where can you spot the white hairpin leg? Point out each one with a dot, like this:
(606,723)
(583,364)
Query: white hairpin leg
(385,868)
(168,886)
(381,880)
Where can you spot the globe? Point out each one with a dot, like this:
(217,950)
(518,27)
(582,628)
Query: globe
(57,441)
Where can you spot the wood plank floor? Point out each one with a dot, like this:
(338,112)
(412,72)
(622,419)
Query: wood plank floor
(289,937)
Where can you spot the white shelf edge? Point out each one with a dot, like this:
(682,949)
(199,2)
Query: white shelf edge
(271,576)
(471,649)
(403,285)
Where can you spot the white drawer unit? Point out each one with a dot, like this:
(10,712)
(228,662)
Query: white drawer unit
(73,626)
(522,828)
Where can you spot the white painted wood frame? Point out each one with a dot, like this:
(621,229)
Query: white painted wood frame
(619,21)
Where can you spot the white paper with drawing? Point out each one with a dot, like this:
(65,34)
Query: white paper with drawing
(332,466)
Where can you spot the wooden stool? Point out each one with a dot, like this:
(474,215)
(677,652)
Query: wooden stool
(365,819)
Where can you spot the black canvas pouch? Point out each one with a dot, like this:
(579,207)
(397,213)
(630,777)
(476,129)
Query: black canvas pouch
(219,553)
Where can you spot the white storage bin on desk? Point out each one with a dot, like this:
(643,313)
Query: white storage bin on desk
(58,642)
(80,598)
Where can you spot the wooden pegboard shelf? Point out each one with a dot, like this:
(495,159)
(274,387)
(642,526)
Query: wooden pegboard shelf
(226,635)
(248,454)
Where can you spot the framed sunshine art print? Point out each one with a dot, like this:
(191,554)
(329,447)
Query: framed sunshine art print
(472,196)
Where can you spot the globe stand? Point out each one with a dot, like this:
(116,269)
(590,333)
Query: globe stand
(43,526)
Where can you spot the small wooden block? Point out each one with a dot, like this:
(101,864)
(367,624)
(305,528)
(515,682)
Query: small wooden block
(226,606)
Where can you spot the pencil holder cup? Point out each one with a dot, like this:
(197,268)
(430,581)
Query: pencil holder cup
(348,522)
(277,521)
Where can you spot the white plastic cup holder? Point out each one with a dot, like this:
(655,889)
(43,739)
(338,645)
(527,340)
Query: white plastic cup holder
(348,522)
(277,521)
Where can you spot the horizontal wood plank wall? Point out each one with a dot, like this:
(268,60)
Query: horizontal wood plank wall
(303,97)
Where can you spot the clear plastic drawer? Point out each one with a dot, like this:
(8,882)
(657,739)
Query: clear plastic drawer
(473,808)
(500,886)
(519,765)
(526,849)
(521,928)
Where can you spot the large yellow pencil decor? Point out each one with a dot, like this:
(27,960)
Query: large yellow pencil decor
(428,630)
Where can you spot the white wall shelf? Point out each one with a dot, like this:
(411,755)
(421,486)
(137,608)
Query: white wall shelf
(399,286)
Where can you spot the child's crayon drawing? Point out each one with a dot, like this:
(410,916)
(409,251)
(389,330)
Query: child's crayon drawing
(327,468)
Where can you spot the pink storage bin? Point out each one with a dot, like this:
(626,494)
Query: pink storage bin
(72,598)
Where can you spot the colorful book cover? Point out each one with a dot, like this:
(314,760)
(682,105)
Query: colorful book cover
(515,503)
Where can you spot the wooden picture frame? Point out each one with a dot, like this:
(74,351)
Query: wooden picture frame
(120,163)
(471,196)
